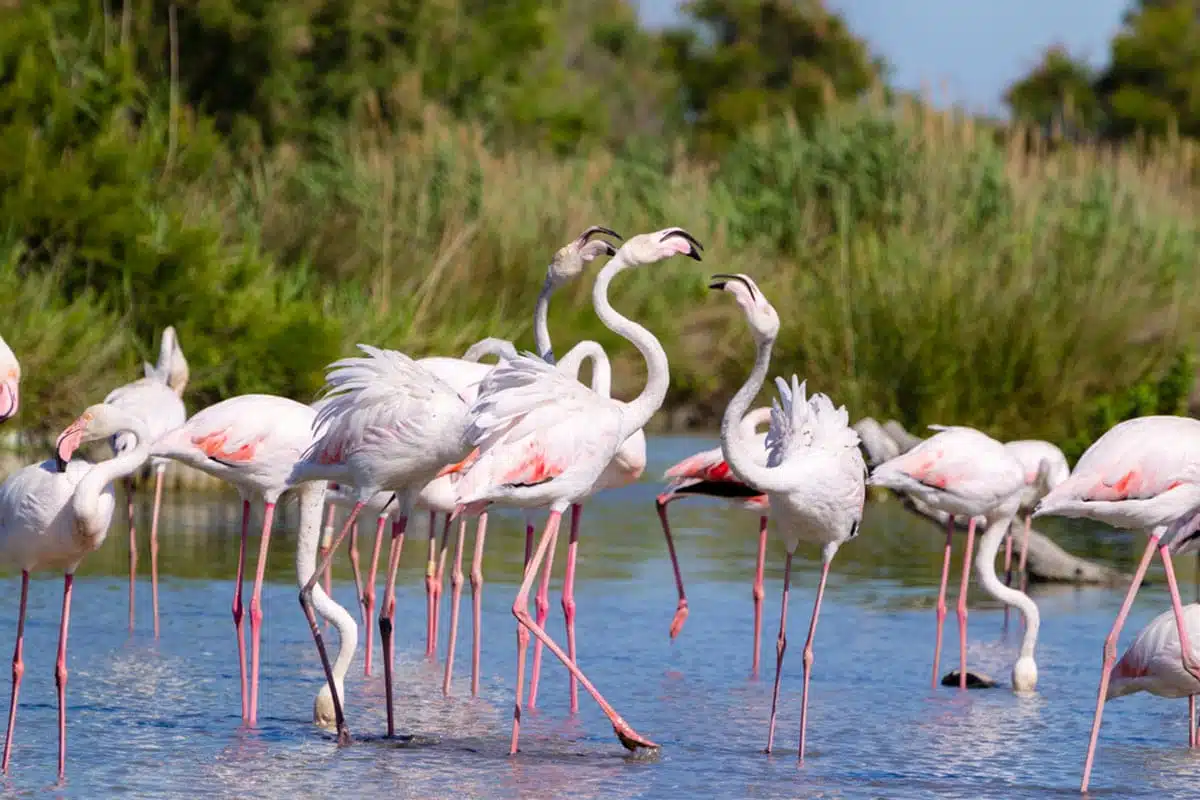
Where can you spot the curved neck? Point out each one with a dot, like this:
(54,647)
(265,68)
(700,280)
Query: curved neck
(541,325)
(750,422)
(736,447)
(638,412)
(312,504)
(491,346)
(985,567)
(86,501)
(587,350)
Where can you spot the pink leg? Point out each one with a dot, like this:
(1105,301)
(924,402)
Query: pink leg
(629,738)
(1191,720)
(133,559)
(1110,655)
(443,548)
(681,610)
(759,594)
(368,596)
(18,669)
(780,649)
(237,609)
(430,572)
(808,658)
(477,601)
(256,608)
(941,600)
(387,612)
(568,599)
(357,573)
(962,606)
(456,582)
(1024,553)
(158,487)
(541,604)
(523,637)
(60,675)
(1189,661)
(326,538)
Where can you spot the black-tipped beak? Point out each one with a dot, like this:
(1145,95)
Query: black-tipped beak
(586,236)
(694,252)
(58,461)
(609,249)
(720,280)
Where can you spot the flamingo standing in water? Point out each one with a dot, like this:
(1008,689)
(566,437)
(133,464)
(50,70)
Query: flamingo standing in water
(1045,467)
(964,472)
(157,400)
(1143,474)
(814,475)
(10,382)
(544,439)
(53,514)
(707,474)
(252,442)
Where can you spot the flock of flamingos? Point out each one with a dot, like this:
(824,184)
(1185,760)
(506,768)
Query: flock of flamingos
(393,435)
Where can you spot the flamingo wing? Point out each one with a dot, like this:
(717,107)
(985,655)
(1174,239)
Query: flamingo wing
(801,423)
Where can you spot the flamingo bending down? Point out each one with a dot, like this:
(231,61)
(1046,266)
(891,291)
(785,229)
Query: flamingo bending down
(814,475)
(1143,474)
(964,472)
(53,514)
(1045,467)
(707,474)
(544,439)
(252,442)
(10,382)
(156,399)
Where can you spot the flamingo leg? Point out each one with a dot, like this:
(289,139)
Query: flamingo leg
(541,604)
(237,609)
(808,657)
(133,558)
(477,601)
(18,669)
(780,649)
(60,674)
(430,572)
(356,571)
(568,598)
(1191,720)
(387,612)
(629,738)
(368,595)
(1024,553)
(941,600)
(759,593)
(456,582)
(443,548)
(523,636)
(1110,654)
(962,606)
(256,608)
(326,538)
(681,610)
(158,489)
(1189,660)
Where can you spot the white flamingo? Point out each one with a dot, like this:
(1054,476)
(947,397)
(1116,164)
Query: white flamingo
(814,475)
(53,514)
(10,382)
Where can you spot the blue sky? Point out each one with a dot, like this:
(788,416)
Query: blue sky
(965,51)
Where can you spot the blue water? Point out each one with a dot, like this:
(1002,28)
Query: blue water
(162,719)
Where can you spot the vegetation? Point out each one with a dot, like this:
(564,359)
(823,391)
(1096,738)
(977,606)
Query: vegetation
(400,172)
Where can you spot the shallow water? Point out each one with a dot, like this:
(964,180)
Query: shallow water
(162,719)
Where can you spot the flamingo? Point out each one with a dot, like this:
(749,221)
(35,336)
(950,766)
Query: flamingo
(53,514)
(10,382)
(707,474)
(962,471)
(157,400)
(1142,474)
(252,442)
(1045,467)
(814,475)
(543,439)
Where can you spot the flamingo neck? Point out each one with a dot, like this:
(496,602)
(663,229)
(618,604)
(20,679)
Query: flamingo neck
(985,568)
(752,421)
(736,445)
(587,350)
(85,503)
(541,325)
(491,346)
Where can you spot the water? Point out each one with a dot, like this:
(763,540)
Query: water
(162,719)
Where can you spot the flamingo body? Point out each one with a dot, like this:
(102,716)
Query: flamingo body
(10,382)
(1154,662)
(38,529)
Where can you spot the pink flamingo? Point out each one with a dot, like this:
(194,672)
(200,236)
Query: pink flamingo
(708,475)
(53,514)
(252,442)
(1045,467)
(814,475)
(10,382)
(963,472)
(544,439)
(1143,474)
(157,400)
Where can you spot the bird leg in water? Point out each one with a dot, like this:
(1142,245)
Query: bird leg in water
(456,582)
(356,572)
(237,609)
(568,598)
(681,610)
(1110,653)
(132,547)
(443,548)
(18,669)
(780,649)
(523,633)
(158,487)
(256,608)
(430,572)
(387,613)
(1189,661)
(477,600)
(962,606)
(541,604)
(326,538)
(1024,554)
(368,595)
(628,736)
(60,674)
(759,594)
(941,599)
(808,656)
(1191,720)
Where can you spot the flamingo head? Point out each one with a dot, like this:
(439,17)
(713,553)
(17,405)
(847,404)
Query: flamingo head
(324,715)
(1025,674)
(760,314)
(10,382)
(571,258)
(648,248)
(96,423)
(177,365)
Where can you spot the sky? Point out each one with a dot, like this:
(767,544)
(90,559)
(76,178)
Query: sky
(965,52)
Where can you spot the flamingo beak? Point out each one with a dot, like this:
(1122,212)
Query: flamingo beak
(10,398)
(68,442)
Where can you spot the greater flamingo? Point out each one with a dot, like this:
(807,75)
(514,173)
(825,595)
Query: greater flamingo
(252,442)
(1045,467)
(53,514)
(814,475)
(964,472)
(544,439)
(708,475)
(1142,474)
(156,399)
(10,382)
